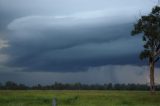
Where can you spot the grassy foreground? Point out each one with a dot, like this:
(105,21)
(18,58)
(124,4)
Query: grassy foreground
(79,98)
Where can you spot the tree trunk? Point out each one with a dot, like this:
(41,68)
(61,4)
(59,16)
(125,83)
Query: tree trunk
(152,82)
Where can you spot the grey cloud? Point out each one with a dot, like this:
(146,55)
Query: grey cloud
(63,6)
(11,10)
(62,44)
(67,40)
(70,40)
(104,74)
(95,47)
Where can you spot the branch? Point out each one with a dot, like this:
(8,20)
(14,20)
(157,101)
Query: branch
(156,60)
(158,47)
(157,50)
(157,53)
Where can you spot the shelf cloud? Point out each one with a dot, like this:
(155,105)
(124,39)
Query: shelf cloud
(73,36)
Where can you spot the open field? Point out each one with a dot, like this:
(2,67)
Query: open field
(79,98)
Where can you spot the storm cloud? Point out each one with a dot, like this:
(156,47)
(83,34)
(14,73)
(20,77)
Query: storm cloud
(71,43)
(73,36)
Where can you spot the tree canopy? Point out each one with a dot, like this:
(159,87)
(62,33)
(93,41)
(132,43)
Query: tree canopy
(149,26)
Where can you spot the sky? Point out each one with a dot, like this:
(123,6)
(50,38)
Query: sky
(87,41)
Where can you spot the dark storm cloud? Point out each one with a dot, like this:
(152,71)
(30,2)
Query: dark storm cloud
(55,36)
(74,49)
(88,41)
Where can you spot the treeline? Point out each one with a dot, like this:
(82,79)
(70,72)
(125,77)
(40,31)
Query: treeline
(9,85)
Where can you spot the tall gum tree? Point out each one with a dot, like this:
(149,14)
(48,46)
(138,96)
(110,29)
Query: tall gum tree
(149,28)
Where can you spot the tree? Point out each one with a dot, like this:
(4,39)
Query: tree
(149,28)
(11,85)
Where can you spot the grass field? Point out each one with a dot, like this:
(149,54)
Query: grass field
(79,98)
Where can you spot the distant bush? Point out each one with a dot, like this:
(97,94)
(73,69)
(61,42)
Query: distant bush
(10,85)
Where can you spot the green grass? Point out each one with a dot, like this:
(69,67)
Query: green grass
(79,98)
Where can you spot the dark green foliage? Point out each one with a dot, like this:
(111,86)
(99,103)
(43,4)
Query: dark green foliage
(144,54)
(149,27)
(76,86)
